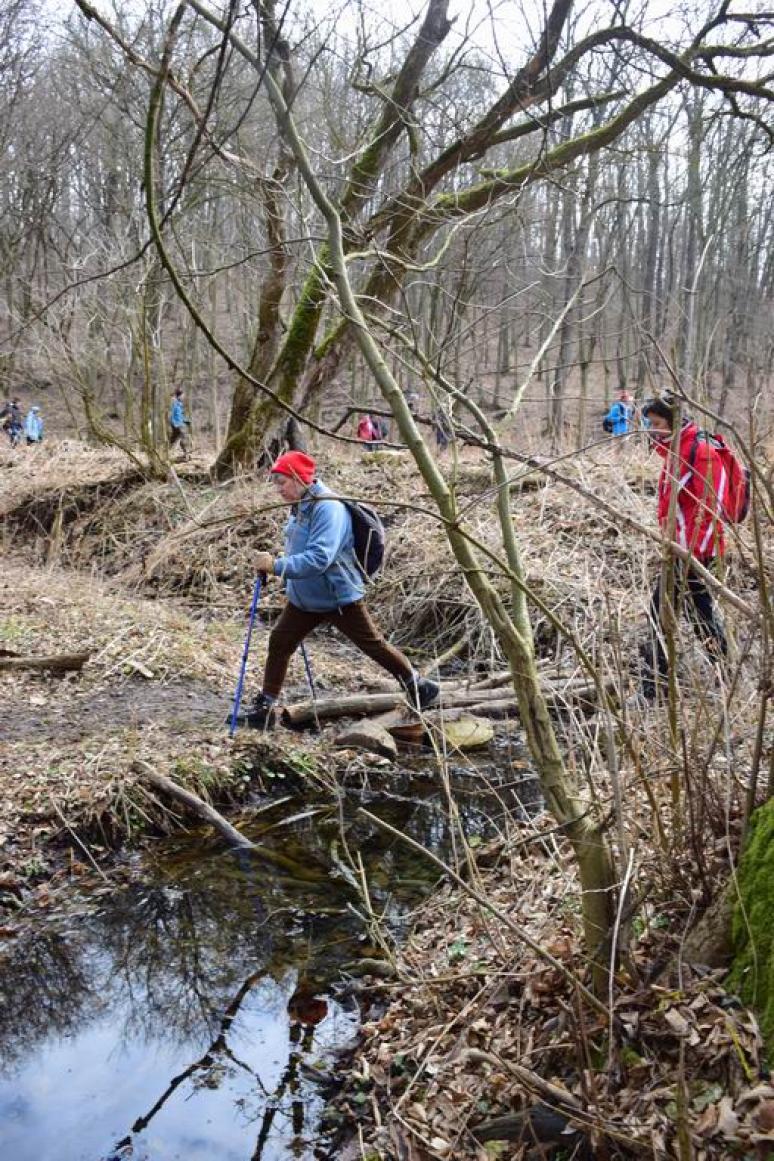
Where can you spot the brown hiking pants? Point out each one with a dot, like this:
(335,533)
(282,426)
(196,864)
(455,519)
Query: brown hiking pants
(354,621)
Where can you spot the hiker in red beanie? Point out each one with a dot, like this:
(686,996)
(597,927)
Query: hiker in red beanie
(324,584)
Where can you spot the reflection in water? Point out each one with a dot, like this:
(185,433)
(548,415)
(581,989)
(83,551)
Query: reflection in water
(185,1017)
(170,1023)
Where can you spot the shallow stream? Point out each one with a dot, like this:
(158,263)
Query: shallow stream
(199,1012)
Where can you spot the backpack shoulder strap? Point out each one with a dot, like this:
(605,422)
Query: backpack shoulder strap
(703,437)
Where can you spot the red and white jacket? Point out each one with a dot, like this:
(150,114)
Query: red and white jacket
(701,489)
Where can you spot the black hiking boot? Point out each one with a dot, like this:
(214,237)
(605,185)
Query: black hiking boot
(262,715)
(421,691)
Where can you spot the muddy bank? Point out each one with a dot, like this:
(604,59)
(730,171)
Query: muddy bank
(136,704)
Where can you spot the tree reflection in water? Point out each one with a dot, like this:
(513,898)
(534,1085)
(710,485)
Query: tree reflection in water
(172,969)
(182,1011)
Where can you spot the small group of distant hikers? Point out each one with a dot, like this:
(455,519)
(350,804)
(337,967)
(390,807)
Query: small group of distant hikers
(325,581)
(15,426)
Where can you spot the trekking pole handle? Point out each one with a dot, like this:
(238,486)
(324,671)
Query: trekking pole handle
(243,667)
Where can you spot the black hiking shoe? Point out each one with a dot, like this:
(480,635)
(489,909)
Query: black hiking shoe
(421,691)
(262,715)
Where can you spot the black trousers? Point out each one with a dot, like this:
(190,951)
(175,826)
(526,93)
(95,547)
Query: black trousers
(690,592)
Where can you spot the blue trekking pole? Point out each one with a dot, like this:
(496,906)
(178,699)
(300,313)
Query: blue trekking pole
(238,694)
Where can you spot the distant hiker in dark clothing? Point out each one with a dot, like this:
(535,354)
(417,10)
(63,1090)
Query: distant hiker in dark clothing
(412,400)
(11,420)
(443,429)
(698,474)
(381,427)
(324,584)
(33,426)
(178,422)
(620,418)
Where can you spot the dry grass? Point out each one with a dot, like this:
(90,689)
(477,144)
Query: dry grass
(57,465)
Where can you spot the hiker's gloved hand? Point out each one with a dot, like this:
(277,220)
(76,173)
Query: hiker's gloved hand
(264,562)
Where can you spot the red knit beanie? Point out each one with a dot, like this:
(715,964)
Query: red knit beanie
(297,465)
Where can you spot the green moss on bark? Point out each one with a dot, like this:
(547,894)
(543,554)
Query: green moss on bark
(752,972)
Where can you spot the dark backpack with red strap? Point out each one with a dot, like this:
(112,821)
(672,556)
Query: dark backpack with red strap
(736,503)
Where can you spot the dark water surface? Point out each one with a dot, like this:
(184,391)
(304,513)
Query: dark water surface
(196,1013)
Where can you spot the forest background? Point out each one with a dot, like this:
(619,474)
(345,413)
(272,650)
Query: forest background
(595,193)
(299,214)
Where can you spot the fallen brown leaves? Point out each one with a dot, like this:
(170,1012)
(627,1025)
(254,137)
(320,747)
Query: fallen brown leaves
(478,1030)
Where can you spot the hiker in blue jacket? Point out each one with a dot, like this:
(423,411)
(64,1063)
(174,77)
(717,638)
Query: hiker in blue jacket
(620,418)
(178,422)
(33,426)
(324,584)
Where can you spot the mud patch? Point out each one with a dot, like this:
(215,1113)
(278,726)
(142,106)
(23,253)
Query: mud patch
(182,705)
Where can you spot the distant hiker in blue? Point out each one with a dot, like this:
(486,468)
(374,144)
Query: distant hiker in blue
(178,422)
(33,426)
(442,428)
(620,418)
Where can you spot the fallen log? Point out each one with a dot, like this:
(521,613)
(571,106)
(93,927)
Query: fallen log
(503,677)
(192,802)
(368,704)
(57,663)
(358,705)
(539,1123)
(501,707)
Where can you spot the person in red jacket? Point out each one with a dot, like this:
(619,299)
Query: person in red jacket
(697,473)
(366,431)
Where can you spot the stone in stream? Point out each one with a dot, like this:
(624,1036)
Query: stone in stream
(369,736)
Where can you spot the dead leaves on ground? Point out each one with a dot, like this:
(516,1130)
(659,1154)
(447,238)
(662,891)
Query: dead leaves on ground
(684,1056)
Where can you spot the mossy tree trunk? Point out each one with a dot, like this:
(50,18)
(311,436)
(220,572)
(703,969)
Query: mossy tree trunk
(299,372)
(752,971)
(238,448)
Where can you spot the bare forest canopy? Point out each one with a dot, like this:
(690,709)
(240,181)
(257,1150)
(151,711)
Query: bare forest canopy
(544,205)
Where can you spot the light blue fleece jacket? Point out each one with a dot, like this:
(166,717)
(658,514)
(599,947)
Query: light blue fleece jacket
(319,565)
(33,426)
